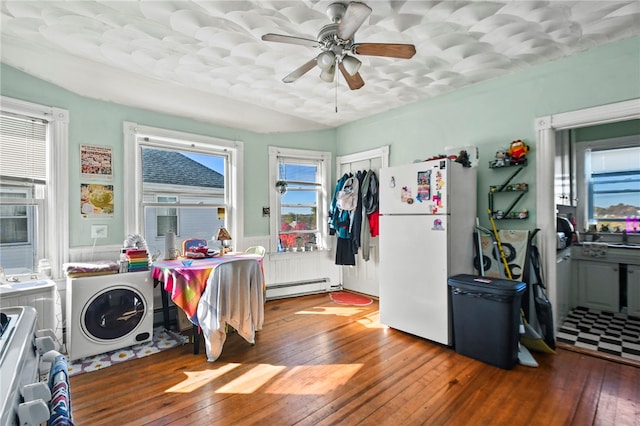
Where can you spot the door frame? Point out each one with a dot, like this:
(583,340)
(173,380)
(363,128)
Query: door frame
(361,277)
(546,128)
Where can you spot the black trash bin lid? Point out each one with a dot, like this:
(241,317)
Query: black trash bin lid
(487,284)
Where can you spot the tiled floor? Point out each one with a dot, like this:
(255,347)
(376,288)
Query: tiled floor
(607,332)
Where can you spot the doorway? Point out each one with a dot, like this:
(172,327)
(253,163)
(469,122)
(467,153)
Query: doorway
(363,276)
(546,138)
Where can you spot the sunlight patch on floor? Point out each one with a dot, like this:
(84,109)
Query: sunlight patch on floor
(343,311)
(372,321)
(252,380)
(272,379)
(312,379)
(197,379)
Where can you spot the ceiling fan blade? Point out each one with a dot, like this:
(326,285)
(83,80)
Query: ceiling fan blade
(390,50)
(290,39)
(354,16)
(353,81)
(299,72)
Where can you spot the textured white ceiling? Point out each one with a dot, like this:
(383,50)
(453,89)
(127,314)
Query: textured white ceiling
(206,59)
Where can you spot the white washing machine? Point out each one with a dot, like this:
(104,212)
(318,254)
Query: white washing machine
(108,312)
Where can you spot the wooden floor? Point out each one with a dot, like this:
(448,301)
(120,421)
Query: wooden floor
(319,363)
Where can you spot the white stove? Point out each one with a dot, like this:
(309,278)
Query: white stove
(27,356)
(7,327)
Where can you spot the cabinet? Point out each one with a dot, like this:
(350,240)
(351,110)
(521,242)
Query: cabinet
(633,290)
(508,192)
(563,284)
(598,285)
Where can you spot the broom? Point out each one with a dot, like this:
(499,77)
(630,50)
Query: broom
(531,338)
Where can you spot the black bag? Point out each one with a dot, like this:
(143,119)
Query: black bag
(545,316)
(542,304)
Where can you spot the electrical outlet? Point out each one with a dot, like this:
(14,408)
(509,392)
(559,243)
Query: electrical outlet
(99,231)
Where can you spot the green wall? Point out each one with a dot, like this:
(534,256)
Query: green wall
(100,123)
(492,114)
(489,115)
(606,131)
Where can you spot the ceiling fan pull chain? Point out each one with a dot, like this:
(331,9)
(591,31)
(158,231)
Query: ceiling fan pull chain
(337,78)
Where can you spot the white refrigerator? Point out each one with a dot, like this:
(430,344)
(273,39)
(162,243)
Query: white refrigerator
(427,220)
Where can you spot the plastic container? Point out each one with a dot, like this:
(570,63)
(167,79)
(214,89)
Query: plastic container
(486,318)
(40,294)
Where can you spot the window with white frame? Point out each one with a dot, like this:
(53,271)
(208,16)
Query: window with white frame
(32,180)
(299,201)
(167,217)
(612,183)
(17,221)
(185,183)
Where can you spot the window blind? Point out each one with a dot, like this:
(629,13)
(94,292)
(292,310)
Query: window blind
(23,148)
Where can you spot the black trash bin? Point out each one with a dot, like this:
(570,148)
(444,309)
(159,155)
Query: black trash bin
(486,318)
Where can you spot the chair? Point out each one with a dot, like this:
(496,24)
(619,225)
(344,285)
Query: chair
(259,250)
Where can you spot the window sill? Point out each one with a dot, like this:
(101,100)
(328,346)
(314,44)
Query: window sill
(300,253)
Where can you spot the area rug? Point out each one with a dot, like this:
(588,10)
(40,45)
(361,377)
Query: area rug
(345,298)
(612,334)
(162,340)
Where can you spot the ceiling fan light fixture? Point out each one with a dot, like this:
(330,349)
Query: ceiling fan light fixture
(329,74)
(326,60)
(351,64)
(336,39)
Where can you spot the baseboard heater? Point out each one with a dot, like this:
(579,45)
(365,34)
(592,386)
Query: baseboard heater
(299,288)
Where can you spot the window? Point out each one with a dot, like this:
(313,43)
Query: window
(298,212)
(16,220)
(167,217)
(33,186)
(614,188)
(186,183)
(608,183)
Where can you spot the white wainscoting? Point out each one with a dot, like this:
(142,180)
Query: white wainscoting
(293,274)
(95,254)
(286,274)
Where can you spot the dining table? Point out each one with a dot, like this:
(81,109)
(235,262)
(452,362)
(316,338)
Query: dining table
(215,293)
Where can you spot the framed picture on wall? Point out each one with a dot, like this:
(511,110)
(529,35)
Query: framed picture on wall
(96,200)
(96,162)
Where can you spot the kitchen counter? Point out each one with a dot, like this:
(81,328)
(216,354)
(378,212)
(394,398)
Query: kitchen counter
(614,253)
(630,246)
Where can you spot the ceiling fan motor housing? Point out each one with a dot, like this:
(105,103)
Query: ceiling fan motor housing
(335,12)
(329,41)
(328,34)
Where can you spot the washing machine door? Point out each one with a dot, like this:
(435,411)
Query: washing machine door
(113,314)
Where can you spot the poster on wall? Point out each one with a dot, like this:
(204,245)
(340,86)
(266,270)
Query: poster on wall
(96,200)
(96,162)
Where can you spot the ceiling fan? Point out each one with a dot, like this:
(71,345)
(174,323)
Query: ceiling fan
(337,44)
